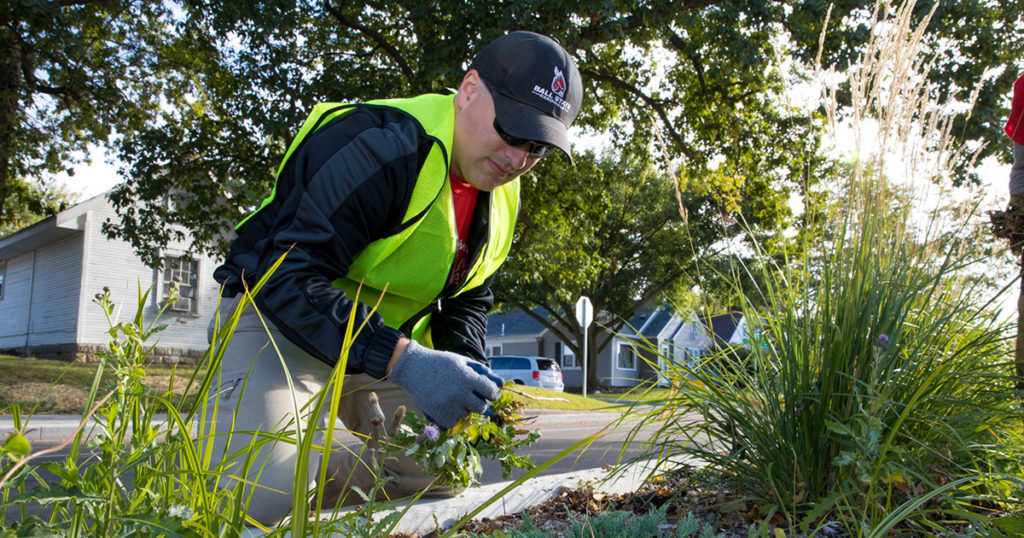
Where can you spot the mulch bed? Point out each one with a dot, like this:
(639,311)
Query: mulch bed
(733,515)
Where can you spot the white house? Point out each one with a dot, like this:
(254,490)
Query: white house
(51,271)
(685,340)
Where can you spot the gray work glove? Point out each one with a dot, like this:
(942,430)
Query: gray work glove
(446,386)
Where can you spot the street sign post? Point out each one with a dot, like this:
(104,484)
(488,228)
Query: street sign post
(584,315)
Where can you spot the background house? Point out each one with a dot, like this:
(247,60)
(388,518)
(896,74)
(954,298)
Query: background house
(50,272)
(635,349)
(621,363)
(686,340)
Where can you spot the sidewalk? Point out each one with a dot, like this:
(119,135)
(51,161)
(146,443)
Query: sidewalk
(52,429)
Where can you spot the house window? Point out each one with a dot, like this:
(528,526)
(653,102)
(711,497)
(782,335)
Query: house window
(3,277)
(183,272)
(568,357)
(626,359)
(490,351)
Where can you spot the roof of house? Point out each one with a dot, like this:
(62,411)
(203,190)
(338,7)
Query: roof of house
(514,323)
(648,322)
(723,325)
(64,224)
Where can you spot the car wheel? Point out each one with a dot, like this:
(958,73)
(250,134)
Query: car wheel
(518,382)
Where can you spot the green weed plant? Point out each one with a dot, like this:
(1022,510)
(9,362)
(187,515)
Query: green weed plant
(129,472)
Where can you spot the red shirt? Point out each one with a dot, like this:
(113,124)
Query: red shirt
(464,202)
(1015,125)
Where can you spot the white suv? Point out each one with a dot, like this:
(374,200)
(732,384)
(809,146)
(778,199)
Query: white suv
(524,370)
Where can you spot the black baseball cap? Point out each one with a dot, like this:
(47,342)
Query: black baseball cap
(535,85)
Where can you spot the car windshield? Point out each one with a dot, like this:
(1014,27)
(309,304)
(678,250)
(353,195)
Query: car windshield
(546,364)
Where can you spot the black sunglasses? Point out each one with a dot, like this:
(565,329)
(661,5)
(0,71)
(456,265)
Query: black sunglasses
(536,150)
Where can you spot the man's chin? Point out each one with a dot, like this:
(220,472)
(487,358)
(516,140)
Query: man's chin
(487,183)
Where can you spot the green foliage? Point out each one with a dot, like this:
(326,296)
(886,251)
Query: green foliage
(454,455)
(615,524)
(601,229)
(876,378)
(200,99)
(28,203)
(75,74)
(138,475)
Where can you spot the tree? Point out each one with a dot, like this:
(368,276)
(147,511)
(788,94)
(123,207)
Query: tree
(704,74)
(603,229)
(28,203)
(72,74)
(201,98)
(976,47)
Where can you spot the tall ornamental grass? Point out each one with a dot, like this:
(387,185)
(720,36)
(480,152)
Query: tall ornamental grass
(876,374)
(877,391)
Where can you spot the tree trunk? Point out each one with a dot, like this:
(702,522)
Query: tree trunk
(593,380)
(10,82)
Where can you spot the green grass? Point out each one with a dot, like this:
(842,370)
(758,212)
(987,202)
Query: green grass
(58,387)
(573,402)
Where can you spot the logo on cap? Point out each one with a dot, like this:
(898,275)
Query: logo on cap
(558,83)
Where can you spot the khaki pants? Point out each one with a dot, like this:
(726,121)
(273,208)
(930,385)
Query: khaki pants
(252,395)
(1017,170)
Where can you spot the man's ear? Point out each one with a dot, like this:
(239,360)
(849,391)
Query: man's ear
(468,88)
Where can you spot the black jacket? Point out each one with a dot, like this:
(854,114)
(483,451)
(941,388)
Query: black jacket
(347,185)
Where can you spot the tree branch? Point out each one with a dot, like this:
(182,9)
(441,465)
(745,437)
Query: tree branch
(69,3)
(656,105)
(698,67)
(601,27)
(376,37)
(543,321)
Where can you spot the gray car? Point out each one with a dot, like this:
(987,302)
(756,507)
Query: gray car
(526,370)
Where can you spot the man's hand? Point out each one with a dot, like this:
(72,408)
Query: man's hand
(445,386)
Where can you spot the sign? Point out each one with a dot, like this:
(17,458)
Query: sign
(584,312)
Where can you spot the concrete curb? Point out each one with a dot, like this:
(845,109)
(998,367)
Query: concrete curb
(427,515)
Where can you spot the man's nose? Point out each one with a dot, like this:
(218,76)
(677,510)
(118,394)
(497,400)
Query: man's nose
(517,155)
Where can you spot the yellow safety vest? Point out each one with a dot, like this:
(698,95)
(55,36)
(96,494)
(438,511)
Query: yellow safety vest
(410,269)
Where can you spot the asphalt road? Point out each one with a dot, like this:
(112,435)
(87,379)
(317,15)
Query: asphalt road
(556,436)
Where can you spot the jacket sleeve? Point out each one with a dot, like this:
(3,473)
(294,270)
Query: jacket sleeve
(347,186)
(461,325)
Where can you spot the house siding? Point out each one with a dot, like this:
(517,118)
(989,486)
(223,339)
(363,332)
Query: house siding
(48,311)
(14,305)
(114,264)
(54,288)
(520,348)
